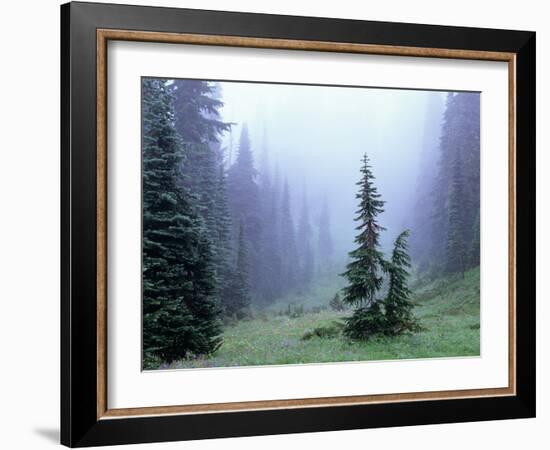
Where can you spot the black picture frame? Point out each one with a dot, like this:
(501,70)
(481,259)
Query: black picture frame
(80,425)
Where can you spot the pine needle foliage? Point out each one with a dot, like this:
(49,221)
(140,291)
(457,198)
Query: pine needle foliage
(364,271)
(180,309)
(237,292)
(397,304)
(365,322)
(372,316)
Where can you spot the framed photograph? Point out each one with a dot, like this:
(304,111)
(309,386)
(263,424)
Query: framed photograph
(276,224)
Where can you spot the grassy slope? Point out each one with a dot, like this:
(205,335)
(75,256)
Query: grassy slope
(448,310)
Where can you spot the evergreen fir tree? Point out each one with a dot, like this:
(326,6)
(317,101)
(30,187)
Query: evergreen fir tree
(439,216)
(365,322)
(244,203)
(274,287)
(197,121)
(457,246)
(325,245)
(197,111)
(180,309)
(474,253)
(289,255)
(200,176)
(199,126)
(305,251)
(397,304)
(456,190)
(269,255)
(237,295)
(336,303)
(364,271)
(422,242)
(222,235)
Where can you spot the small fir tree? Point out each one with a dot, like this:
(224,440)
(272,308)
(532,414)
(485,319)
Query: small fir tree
(397,304)
(336,303)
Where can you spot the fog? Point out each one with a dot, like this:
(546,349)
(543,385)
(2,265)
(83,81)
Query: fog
(250,195)
(316,136)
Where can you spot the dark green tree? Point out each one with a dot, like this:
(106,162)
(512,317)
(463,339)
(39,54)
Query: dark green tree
(269,282)
(180,308)
(364,271)
(198,123)
(196,105)
(397,304)
(365,322)
(457,237)
(221,236)
(237,292)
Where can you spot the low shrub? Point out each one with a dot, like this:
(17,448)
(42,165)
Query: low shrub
(324,332)
(293,311)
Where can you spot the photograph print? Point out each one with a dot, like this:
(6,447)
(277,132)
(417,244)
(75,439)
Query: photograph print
(298,224)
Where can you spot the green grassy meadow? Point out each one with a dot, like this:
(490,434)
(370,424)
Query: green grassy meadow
(448,311)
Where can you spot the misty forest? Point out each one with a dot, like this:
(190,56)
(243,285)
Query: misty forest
(287,224)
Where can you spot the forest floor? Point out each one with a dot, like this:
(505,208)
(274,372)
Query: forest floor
(447,309)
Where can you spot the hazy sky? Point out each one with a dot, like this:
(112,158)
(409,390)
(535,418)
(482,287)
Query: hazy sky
(318,134)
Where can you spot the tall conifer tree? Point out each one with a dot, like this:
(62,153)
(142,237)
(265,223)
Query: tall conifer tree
(237,292)
(325,246)
(456,190)
(457,246)
(364,271)
(222,235)
(244,202)
(197,121)
(422,242)
(180,312)
(272,241)
(304,246)
(197,118)
(289,255)
(269,257)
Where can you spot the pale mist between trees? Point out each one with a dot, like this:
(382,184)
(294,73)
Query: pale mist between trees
(313,223)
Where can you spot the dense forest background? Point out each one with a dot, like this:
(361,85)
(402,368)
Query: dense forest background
(249,198)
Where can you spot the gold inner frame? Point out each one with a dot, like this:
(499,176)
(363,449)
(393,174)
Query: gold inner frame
(104,35)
